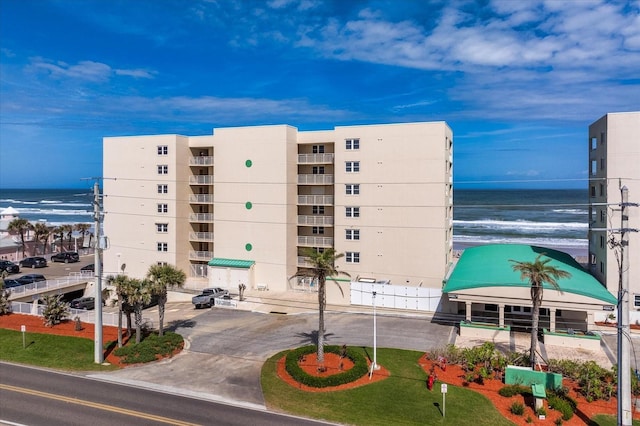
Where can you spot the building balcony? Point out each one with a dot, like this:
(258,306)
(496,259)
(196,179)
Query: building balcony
(315,179)
(199,270)
(201,236)
(200,255)
(315,158)
(201,217)
(308,241)
(315,220)
(304,262)
(315,200)
(201,180)
(201,198)
(201,161)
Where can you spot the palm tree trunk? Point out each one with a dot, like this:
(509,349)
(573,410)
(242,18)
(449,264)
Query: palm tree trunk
(119,321)
(321,305)
(138,314)
(161,301)
(535,320)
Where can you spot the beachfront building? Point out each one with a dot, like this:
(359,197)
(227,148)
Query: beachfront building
(239,206)
(614,156)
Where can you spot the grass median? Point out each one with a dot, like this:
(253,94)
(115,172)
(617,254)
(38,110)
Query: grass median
(403,398)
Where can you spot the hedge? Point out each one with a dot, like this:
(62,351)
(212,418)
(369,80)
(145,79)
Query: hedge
(359,369)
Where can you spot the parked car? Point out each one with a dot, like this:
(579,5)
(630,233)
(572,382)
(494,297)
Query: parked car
(208,296)
(11,283)
(66,257)
(9,267)
(30,278)
(87,303)
(152,302)
(89,268)
(33,262)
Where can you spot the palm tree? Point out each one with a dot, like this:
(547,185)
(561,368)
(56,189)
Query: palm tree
(138,294)
(121,283)
(20,226)
(82,228)
(67,230)
(322,266)
(537,273)
(58,233)
(163,277)
(41,234)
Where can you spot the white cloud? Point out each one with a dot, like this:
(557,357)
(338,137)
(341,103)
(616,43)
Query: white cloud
(84,70)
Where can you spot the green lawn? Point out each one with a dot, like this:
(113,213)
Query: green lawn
(402,399)
(47,350)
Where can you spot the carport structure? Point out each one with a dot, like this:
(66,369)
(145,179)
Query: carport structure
(484,284)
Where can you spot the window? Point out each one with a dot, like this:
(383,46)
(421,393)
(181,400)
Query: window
(163,247)
(636,300)
(318,149)
(352,144)
(352,234)
(352,166)
(602,138)
(318,170)
(317,209)
(163,150)
(352,211)
(594,167)
(163,189)
(318,230)
(593,191)
(352,257)
(161,263)
(601,190)
(163,208)
(603,215)
(352,189)
(163,169)
(602,164)
(162,227)
(594,143)
(601,241)
(490,307)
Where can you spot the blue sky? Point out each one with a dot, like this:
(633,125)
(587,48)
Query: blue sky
(518,81)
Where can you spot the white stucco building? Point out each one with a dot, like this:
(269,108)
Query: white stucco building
(614,162)
(239,205)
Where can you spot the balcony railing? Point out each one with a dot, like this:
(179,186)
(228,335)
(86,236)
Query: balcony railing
(201,198)
(200,255)
(315,241)
(201,180)
(201,236)
(315,158)
(304,262)
(199,270)
(201,217)
(201,161)
(315,200)
(315,220)
(315,179)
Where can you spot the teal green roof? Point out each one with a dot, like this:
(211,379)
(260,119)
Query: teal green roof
(231,263)
(490,266)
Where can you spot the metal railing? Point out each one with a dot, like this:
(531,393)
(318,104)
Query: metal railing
(315,241)
(202,160)
(326,158)
(315,179)
(48,285)
(201,217)
(201,236)
(315,220)
(108,318)
(201,198)
(200,255)
(201,180)
(315,200)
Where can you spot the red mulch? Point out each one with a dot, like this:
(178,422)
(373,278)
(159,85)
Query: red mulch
(454,375)
(332,365)
(35,324)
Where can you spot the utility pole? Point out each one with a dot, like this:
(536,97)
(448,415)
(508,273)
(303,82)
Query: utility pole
(624,354)
(97,216)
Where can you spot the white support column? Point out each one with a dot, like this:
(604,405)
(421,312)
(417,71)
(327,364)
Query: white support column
(467,315)
(501,315)
(590,320)
(552,320)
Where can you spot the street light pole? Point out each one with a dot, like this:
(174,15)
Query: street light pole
(374,365)
(98,350)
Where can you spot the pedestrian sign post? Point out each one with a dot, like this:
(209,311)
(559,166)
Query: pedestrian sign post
(443,389)
(23,329)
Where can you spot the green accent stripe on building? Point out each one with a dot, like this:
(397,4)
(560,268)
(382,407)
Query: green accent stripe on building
(231,263)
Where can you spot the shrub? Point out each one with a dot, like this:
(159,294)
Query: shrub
(561,405)
(558,422)
(517,408)
(359,369)
(541,411)
(55,310)
(510,390)
(150,348)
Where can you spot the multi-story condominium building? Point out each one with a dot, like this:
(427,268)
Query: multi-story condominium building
(614,162)
(241,205)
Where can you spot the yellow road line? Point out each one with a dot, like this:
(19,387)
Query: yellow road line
(97,405)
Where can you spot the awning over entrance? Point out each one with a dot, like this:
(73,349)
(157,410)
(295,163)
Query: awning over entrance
(488,269)
(231,263)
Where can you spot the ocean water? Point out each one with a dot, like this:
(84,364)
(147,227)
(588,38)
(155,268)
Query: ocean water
(54,206)
(550,218)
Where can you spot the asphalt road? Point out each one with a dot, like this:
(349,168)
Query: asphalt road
(35,397)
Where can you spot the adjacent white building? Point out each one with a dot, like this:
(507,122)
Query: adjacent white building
(614,162)
(240,205)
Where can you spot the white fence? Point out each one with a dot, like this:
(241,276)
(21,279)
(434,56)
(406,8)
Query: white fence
(85,316)
(395,296)
(40,286)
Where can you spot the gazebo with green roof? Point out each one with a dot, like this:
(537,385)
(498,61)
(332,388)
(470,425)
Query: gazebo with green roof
(484,281)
